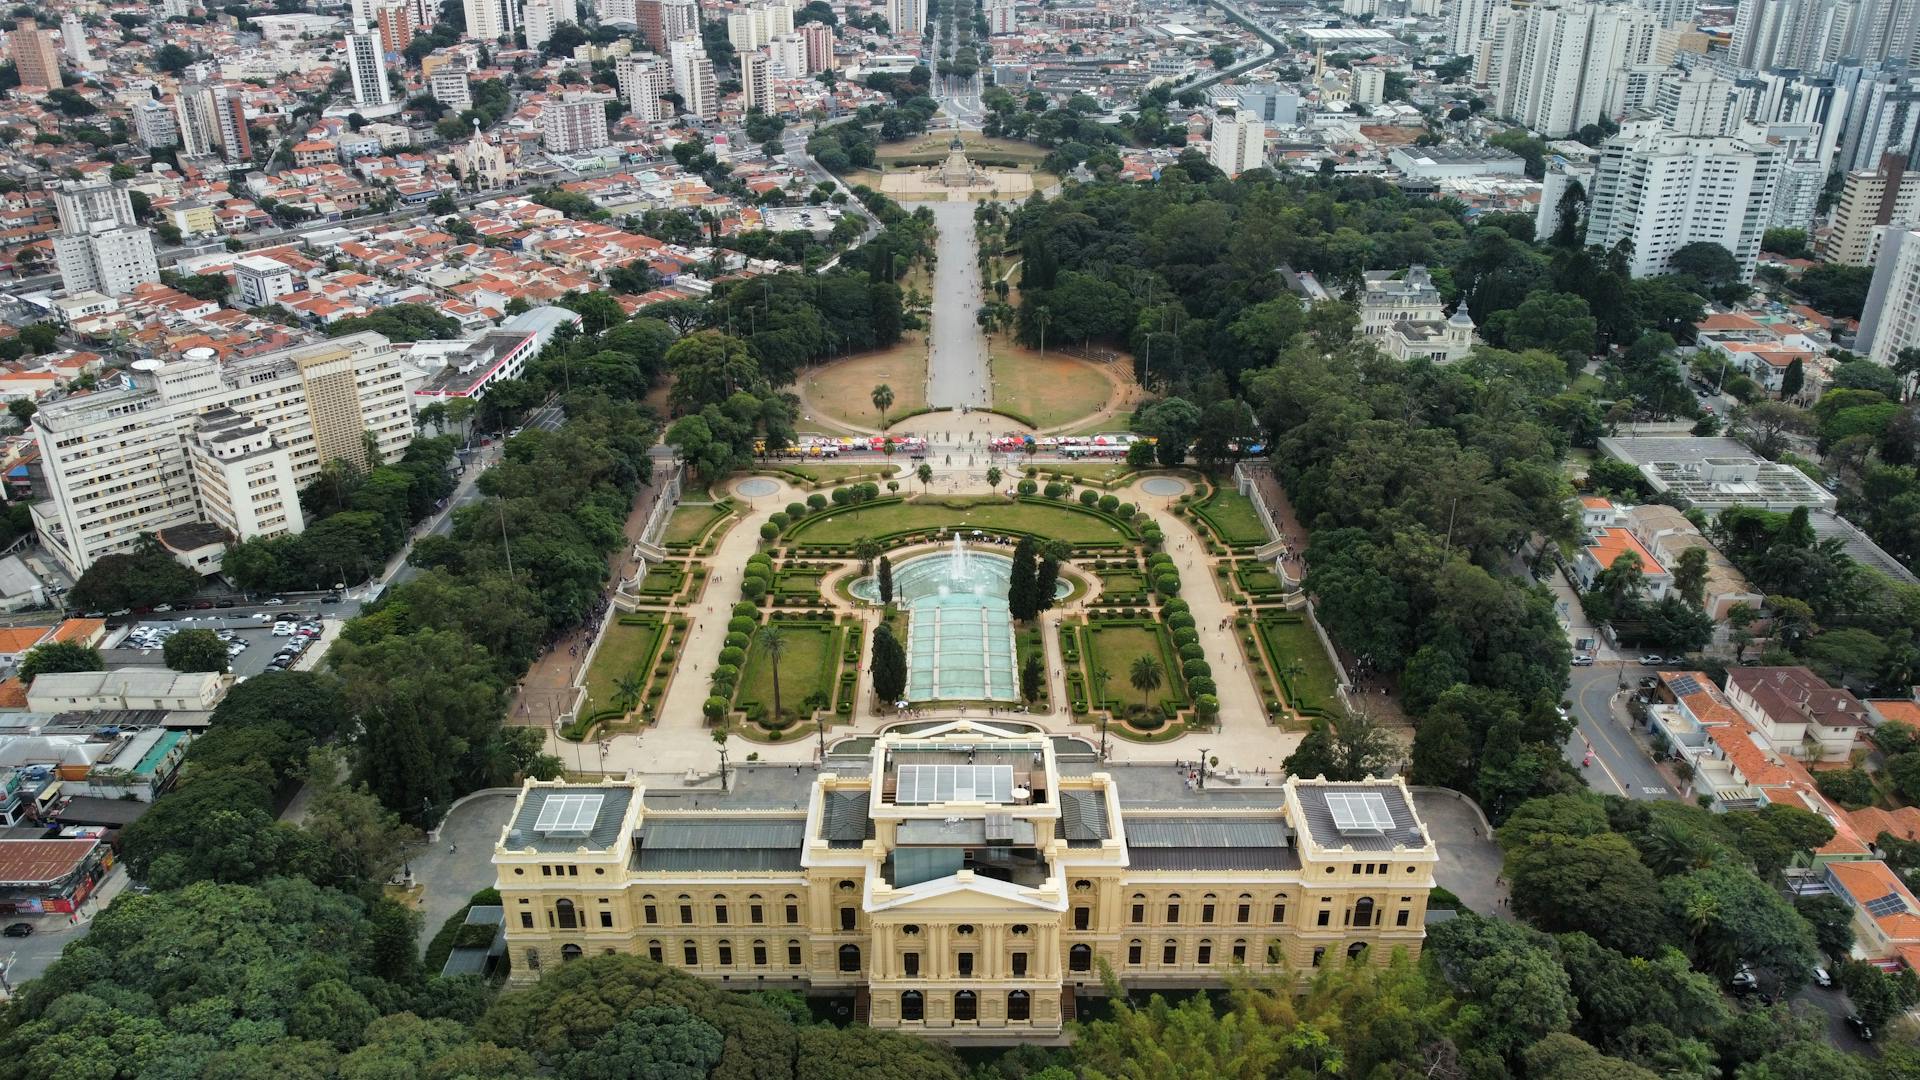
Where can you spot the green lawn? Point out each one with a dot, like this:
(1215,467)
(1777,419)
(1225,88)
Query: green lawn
(624,650)
(1115,647)
(1122,581)
(1233,515)
(663,580)
(1259,579)
(799,581)
(829,473)
(807,664)
(1057,521)
(689,523)
(1092,472)
(1292,642)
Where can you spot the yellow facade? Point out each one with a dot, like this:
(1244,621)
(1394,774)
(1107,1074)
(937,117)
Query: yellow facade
(978,914)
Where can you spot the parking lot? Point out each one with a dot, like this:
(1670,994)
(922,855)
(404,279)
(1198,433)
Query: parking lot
(254,640)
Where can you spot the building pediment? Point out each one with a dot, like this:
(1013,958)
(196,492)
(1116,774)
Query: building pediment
(960,893)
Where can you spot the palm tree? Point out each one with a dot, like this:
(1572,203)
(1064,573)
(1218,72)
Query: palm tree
(1145,677)
(775,643)
(1100,677)
(867,550)
(993,475)
(925,473)
(1043,315)
(626,692)
(882,401)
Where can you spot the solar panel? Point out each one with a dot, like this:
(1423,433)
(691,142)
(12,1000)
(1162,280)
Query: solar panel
(1359,811)
(926,784)
(1890,904)
(568,815)
(1684,685)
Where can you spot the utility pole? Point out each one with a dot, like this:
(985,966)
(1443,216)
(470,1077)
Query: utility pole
(504,542)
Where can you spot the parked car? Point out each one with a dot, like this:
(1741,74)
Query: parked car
(1583,660)
(330,598)
(273,600)
(19,929)
(161,609)
(1854,1020)
(1744,981)
(202,605)
(1651,660)
(223,603)
(1822,976)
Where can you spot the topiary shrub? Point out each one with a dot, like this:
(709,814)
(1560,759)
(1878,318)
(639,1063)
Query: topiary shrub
(1206,706)
(1193,650)
(740,624)
(1089,497)
(1026,487)
(1167,584)
(753,588)
(796,511)
(1196,669)
(768,530)
(1172,607)
(1180,621)
(714,707)
(733,656)
(817,501)
(736,641)
(1201,685)
(1186,637)
(1109,503)
(1126,511)
(746,609)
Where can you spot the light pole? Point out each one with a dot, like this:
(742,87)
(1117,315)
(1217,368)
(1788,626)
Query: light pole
(1204,752)
(1106,717)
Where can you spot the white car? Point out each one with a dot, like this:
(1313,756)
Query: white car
(282,629)
(1650,660)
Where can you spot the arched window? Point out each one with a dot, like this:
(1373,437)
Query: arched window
(686,910)
(654,952)
(1363,911)
(1019,1005)
(719,910)
(649,910)
(691,953)
(966,1006)
(913,1006)
(569,953)
(1170,952)
(793,953)
(1139,912)
(849,958)
(1080,958)
(1134,950)
(1173,907)
(1204,954)
(759,954)
(1240,951)
(1243,908)
(726,954)
(563,911)
(1206,908)
(792,903)
(1355,950)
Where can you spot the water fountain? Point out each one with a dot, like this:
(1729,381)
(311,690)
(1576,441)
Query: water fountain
(960,567)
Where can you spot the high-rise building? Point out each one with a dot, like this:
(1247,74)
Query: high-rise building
(123,463)
(1803,176)
(537,20)
(450,86)
(789,55)
(663,22)
(1239,143)
(1702,103)
(753,27)
(397,21)
(34,57)
(968,899)
(756,82)
(644,81)
(1561,63)
(819,39)
(488,20)
(1883,116)
(155,125)
(574,122)
(1808,34)
(623,12)
(1871,202)
(693,78)
(199,125)
(1669,12)
(1369,85)
(1472,25)
(1001,18)
(230,113)
(100,247)
(73,39)
(1561,176)
(907,16)
(1663,191)
(1425,9)
(1890,319)
(1884,30)
(367,63)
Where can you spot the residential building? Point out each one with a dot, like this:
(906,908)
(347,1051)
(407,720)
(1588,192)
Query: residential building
(753,27)
(1559,62)
(1001,18)
(1277,106)
(1663,191)
(73,39)
(128,689)
(259,280)
(450,85)
(624,12)
(100,247)
(1872,201)
(1239,143)
(644,80)
(34,58)
(397,20)
(229,111)
(663,22)
(488,20)
(1702,103)
(1369,85)
(1886,915)
(1802,178)
(537,20)
(575,121)
(789,55)
(155,126)
(1882,117)
(193,218)
(693,78)
(756,81)
(1561,176)
(907,16)
(1670,12)
(198,121)
(964,882)
(367,64)
(1798,713)
(1890,321)
(119,463)
(244,475)
(819,39)
(1606,546)
(1668,534)
(1472,24)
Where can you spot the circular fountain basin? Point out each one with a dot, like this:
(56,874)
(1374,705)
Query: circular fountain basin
(943,573)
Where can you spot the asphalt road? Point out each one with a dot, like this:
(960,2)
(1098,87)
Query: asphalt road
(1620,765)
(957,365)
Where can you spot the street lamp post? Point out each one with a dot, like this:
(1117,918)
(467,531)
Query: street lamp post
(1106,717)
(1204,752)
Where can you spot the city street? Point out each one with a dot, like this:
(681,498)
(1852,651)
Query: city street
(1620,763)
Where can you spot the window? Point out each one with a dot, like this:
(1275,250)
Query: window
(1020,965)
(966,1006)
(910,930)
(526,920)
(1204,954)
(1206,912)
(1019,1005)
(1082,918)
(793,954)
(849,958)
(692,954)
(964,962)
(964,929)
(910,963)
(726,954)
(1139,914)
(653,952)
(913,1006)
(533,959)
(1173,912)
(847,918)
(1325,917)
(759,954)
(1319,954)
(563,909)
(1133,952)
(1400,917)
(1170,953)
(1243,911)
(1279,911)
(606,920)
(650,914)
(719,914)
(1363,911)
(1356,949)
(1080,957)
(686,914)
(569,953)
(1239,952)
(756,914)
(793,914)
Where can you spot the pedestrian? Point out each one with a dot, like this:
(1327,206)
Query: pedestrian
(452,848)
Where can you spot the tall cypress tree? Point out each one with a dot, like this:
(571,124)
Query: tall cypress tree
(889,665)
(886,580)
(1022,600)
(1043,582)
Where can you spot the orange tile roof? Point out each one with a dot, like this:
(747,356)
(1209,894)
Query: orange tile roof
(18,639)
(1595,502)
(1869,881)
(13,694)
(1898,710)
(79,629)
(1903,822)
(1612,543)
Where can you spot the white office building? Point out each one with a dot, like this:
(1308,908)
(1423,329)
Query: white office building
(1369,85)
(1472,25)
(907,16)
(789,55)
(259,280)
(155,125)
(100,247)
(644,80)
(1890,321)
(1239,143)
(756,82)
(1663,191)
(450,86)
(488,20)
(367,63)
(693,77)
(122,463)
(537,20)
(1561,64)
(73,40)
